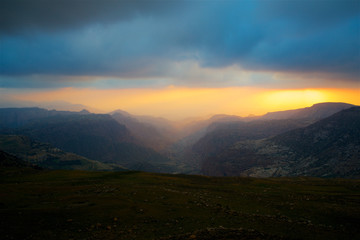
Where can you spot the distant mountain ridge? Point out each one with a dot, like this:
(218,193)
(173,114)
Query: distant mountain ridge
(18,117)
(315,112)
(327,148)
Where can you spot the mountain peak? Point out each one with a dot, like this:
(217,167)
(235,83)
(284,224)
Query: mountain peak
(84,111)
(331,104)
(122,112)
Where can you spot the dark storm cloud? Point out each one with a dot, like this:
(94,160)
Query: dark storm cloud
(283,36)
(52,15)
(137,39)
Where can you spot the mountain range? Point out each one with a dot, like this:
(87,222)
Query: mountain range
(327,148)
(220,132)
(93,136)
(274,144)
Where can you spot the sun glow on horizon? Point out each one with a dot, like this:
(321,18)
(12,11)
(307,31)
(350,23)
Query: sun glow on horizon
(179,103)
(288,99)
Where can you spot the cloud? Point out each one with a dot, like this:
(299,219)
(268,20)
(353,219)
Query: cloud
(158,39)
(312,15)
(52,15)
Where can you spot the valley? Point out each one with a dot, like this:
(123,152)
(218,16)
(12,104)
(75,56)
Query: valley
(223,145)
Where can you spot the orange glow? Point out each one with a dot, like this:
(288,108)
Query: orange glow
(179,103)
(289,99)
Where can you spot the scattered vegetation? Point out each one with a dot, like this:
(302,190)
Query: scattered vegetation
(44,204)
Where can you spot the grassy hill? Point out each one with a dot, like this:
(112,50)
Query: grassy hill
(134,205)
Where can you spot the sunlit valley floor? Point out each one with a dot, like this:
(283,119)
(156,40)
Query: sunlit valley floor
(77,175)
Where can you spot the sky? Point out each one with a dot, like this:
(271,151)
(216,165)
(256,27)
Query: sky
(180,58)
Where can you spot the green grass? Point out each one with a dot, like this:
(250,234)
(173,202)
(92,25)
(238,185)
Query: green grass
(137,205)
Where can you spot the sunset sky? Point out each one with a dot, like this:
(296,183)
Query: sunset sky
(180,59)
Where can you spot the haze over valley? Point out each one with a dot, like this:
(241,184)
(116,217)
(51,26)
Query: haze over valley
(119,140)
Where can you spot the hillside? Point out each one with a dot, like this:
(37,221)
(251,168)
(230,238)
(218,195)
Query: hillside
(8,161)
(208,138)
(327,148)
(222,135)
(46,156)
(144,206)
(95,136)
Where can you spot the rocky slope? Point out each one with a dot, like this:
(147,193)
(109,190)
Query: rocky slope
(327,148)
(223,135)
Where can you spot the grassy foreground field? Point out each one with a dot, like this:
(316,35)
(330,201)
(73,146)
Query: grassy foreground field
(38,204)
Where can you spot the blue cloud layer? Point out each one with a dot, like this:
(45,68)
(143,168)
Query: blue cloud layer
(140,39)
